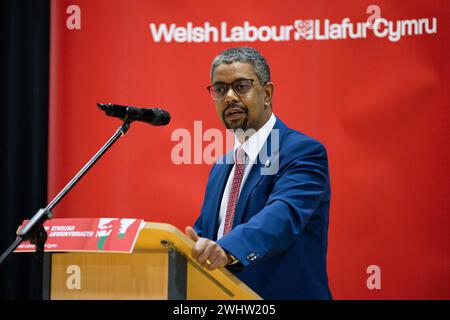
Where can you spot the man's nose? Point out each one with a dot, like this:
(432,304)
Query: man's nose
(231,96)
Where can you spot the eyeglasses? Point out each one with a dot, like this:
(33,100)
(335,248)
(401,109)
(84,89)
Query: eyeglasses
(220,90)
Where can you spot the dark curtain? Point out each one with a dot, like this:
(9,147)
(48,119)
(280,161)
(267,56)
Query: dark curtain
(24,134)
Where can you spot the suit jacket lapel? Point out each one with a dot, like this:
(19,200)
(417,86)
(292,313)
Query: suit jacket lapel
(252,180)
(218,187)
(255,175)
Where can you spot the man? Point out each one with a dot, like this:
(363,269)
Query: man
(269,227)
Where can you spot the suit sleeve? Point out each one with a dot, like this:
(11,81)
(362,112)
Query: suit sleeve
(298,191)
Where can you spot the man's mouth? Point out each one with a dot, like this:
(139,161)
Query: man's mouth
(234,114)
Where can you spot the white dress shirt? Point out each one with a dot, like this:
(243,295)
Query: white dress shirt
(252,147)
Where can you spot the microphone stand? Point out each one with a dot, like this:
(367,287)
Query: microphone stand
(34,230)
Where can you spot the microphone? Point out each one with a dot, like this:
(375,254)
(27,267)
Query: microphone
(153,116)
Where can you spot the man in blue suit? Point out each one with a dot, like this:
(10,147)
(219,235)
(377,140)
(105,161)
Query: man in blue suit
(266,208)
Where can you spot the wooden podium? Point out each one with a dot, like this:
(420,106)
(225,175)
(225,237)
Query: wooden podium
(160,267)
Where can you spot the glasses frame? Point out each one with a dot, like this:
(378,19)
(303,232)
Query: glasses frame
(228,85)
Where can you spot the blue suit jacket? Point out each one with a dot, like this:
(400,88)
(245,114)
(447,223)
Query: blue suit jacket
(280,226)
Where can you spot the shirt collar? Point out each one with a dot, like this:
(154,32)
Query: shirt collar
(253,145)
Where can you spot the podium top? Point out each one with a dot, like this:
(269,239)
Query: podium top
(162,237)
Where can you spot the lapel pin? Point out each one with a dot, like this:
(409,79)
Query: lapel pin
(267,164)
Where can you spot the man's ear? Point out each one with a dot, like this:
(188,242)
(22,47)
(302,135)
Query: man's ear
(268,89)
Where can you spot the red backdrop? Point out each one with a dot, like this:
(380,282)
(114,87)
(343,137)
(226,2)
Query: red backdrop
(380,106)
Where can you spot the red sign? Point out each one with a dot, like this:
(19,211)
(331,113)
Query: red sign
(89,235)
(373,91)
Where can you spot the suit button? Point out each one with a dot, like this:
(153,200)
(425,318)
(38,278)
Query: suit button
(252,256)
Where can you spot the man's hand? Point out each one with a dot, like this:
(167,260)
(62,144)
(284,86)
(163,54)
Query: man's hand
(207,252)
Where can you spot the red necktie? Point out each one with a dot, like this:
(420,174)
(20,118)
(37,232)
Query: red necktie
(239,169)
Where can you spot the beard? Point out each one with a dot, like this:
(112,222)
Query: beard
(241,123)
(236,125)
